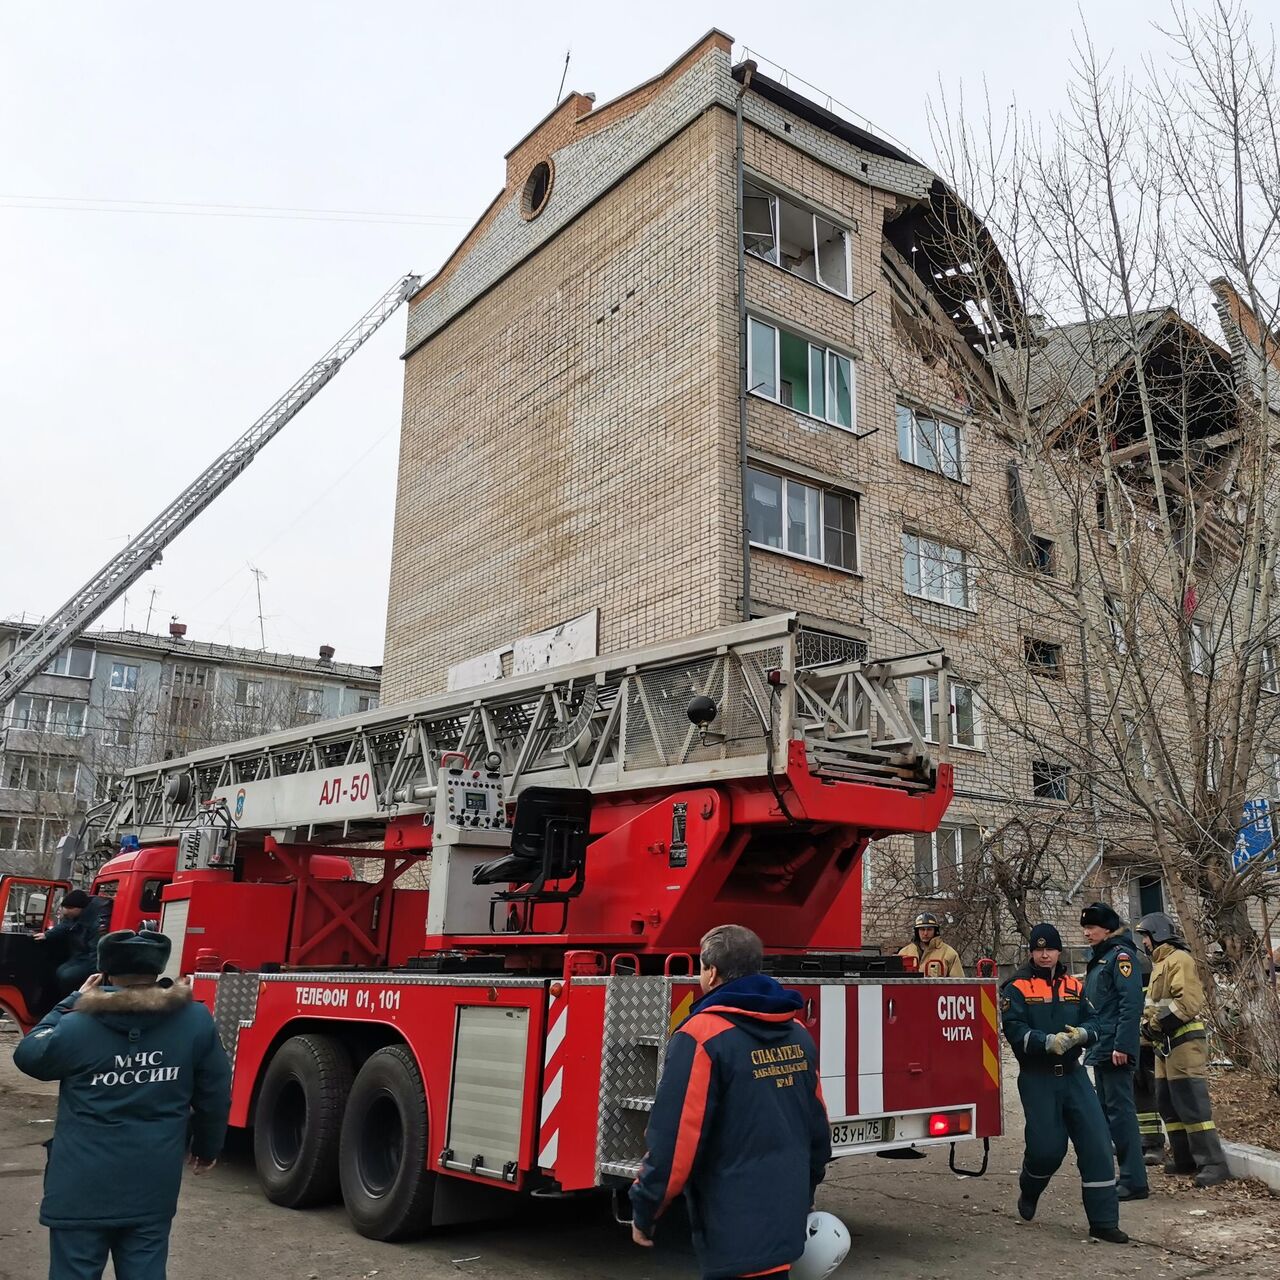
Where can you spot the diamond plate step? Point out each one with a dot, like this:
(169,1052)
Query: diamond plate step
(636,1103)
(621,1168)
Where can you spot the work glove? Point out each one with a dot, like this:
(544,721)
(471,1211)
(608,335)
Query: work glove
(1064,1041)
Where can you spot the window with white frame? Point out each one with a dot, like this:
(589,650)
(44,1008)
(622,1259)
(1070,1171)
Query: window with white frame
(935,571)
(72,662)
(1115,623)
(367,702)
(1199,647)
(34,773)
(802,519)
(807,244)
(1270,668)
(930,443)
(962,715)
(249,693)
(940,858)
(310,702)
(800,374)
(118,731)
(124,677)
(47,715)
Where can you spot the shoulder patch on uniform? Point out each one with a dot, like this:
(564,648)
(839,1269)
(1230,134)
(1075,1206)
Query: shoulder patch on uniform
(1004,1004)
(1125,965)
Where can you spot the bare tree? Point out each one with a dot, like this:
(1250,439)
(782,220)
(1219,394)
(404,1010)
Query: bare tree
(1136,547)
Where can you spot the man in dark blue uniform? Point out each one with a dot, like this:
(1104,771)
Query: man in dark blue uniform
(738,1124)
(143,1080)
(82,920)
(1047,1020)
(1113,987)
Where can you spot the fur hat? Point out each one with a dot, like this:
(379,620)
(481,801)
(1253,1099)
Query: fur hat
(124,953)
(1098,913)
(1045,935)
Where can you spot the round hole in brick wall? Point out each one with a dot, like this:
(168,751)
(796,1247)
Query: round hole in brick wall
(537,189)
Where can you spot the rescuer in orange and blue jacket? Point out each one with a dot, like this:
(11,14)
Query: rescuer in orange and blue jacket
(1047,1021)
(738,1124)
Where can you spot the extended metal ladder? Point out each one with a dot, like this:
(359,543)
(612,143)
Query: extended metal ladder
(66,623)
(618,722)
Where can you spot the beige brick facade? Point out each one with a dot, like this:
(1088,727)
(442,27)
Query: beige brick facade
(570,430)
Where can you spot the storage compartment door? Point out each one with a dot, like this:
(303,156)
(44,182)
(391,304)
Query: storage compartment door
(487,1097)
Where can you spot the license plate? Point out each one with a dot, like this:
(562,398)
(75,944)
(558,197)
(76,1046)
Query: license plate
(856,1133)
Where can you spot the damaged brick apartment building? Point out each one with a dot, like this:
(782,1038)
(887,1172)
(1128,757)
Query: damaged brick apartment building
(604,373)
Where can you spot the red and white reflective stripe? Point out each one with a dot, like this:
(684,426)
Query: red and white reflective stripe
(552,1079)
(851,1057)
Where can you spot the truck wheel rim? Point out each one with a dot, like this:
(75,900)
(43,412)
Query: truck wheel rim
(381,1145)
(288,1123)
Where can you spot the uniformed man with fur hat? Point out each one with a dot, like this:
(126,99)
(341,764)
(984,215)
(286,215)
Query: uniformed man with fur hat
(144,1083)
(933,957)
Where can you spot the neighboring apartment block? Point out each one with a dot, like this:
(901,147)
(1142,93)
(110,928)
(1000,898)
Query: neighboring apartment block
(580,372)
(117,699)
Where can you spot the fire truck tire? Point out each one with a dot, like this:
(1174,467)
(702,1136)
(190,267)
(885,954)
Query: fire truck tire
(384,1151)
(298,1121)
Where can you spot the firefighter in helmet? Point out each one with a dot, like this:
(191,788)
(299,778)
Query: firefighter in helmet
(1047,1019)
(1171,1023)
(933,957)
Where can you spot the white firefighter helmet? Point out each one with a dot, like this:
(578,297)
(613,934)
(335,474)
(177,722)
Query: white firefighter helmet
(826,1242)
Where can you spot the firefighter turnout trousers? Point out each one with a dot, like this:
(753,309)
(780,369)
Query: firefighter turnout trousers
(1182,1094)
(1144,1101)
(1115,1093)
(1060,1103)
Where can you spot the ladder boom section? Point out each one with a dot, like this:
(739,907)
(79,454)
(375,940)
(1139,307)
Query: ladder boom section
(617,723)
(144,551)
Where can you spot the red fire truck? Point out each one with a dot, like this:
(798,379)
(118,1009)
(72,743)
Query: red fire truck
(430,1051)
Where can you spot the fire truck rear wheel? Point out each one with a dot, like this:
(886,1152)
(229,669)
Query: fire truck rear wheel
(384,1150)
(298,1121)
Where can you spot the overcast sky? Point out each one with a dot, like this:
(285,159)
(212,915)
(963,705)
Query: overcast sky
(143,330)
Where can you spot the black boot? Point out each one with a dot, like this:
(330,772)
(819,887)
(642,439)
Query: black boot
(1112,1235)
(1026,1208)
(1171,1166)
(1213,1175)
(1128,1193)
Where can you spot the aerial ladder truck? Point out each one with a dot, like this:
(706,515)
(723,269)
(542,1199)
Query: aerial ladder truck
(432,1054)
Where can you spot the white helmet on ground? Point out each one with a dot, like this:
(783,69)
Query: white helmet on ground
(826,1243)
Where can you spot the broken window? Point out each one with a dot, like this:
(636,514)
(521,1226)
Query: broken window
(805,243)
(1042,554)
(926,442)
(1115,621)
(936,571)
(802,519)
(800,374)
(1048,780)
(1199,646)
(1043,657)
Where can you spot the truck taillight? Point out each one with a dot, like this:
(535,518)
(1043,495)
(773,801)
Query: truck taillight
(943,1123)
(909,963)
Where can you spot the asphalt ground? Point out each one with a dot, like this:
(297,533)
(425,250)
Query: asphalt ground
(910,1220)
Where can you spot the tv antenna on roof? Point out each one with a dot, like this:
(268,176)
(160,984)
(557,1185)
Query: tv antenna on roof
(564,75)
